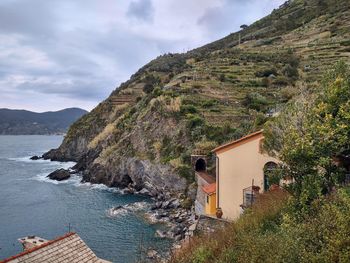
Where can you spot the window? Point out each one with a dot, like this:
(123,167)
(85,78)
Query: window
(249,198)
(269,169)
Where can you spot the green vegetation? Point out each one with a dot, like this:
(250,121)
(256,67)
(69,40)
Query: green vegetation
(274,231)
(312,138)
(309,221)
(256,102)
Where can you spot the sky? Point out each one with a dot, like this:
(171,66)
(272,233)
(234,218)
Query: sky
(56,54)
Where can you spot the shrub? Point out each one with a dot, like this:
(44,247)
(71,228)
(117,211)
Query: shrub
(186,172)
(209,103)
(148,88)
(281,81)
(222,78)
(290,71)
(206,145)
(311,137)
(266,73)
(184,109)
(255,101)
(195,121)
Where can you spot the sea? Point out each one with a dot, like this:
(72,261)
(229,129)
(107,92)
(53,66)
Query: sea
(32,204)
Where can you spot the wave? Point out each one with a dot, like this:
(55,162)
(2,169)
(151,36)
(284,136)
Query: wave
(100,187)
(42,177)
(128,208)
(75,180)
(26,159)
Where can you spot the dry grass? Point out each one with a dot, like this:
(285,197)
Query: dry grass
(170,105)
(176,163)
(107,131)
(213,247)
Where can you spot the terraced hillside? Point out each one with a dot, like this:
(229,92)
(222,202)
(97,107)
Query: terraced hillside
(145,132)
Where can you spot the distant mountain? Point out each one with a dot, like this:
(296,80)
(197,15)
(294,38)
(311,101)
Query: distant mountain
(22,122)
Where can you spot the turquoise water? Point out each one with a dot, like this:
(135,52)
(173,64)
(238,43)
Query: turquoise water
(30,204)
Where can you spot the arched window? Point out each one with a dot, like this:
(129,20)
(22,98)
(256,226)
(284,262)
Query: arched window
(269,168)
(201,165)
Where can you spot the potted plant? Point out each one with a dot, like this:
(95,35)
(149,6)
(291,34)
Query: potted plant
(219,212)
(255,188)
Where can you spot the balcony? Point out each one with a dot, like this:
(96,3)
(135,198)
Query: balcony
(250,195)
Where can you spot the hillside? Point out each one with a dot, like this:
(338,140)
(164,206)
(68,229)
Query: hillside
(22,122)
(177,104)
(306,215)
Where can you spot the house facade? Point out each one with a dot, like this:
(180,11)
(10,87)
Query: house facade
(241,173)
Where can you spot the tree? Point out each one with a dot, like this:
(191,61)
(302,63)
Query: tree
(312,135)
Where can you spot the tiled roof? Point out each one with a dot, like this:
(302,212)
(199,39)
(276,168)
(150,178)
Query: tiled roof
(235,143)
(210,189)
(206,177)
(69,248)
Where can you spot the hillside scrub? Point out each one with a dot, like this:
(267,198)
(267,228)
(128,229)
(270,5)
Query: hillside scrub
(308,221)
(272,231)
(312,136)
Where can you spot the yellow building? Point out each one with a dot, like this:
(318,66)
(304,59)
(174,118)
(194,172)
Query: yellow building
(240,173)
(205,184)
(210,200)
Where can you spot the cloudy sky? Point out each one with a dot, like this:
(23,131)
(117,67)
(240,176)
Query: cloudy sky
(73,53)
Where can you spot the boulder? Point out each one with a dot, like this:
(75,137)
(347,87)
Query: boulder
(165,204)
(144,191)
(35,157)
(178,238)
(161,233)
(59,175)
(174,203)
(128,191)
(152,254)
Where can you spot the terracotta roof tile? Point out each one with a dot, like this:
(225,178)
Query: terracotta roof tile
(206,177)
(68,248)
(237,142)
(210,189)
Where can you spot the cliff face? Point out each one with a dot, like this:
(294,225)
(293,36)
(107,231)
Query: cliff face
(145,132)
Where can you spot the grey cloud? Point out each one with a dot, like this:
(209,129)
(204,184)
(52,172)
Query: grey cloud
(141,10)
(219,21)
(79,89)
(79,51)
(28,17)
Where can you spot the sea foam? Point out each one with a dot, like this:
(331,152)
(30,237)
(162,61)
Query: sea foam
(128,208)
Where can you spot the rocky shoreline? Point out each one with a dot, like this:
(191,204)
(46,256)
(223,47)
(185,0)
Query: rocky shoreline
(166,208)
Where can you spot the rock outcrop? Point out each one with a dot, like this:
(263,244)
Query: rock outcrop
(59,175)
(139,174)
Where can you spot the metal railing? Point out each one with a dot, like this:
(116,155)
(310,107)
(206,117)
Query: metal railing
(250,194)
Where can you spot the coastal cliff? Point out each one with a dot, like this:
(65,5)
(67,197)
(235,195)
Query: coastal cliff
(143,134)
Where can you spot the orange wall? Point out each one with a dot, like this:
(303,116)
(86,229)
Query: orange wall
(210,207)
(236,168)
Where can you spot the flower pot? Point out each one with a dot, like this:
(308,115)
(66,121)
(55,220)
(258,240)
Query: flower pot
(219,212)
(256,189)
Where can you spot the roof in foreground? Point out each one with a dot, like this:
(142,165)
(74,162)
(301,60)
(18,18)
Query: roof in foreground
(210,189)
(68,248)
(238,142)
